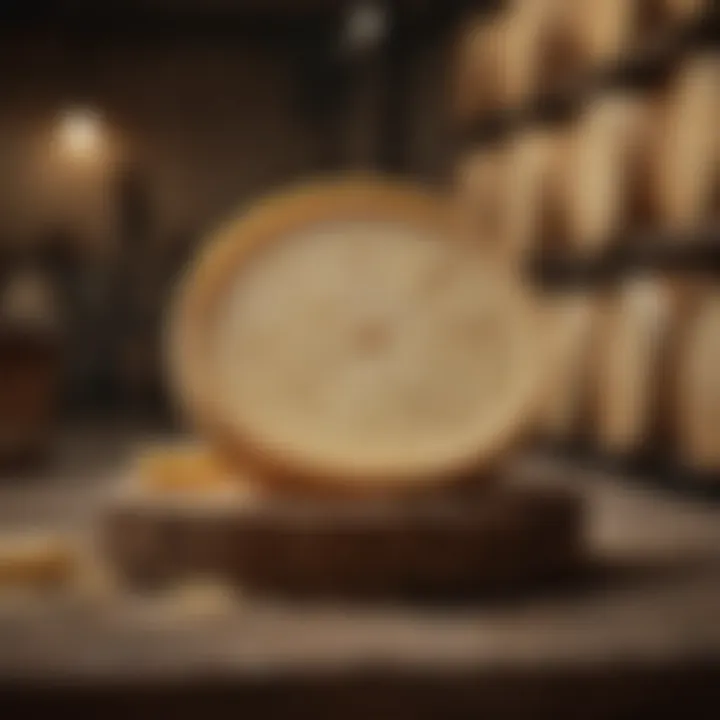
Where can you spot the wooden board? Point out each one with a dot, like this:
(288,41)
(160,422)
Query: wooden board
(478,540)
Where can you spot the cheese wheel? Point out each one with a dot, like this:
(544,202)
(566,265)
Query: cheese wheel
(511,194)
(689,167)
(610,29)
(483,192)
(637,324)
(698,385)
(480,84)
(567,398)
(537,211)
(607,169)
(540,53)
(339,336)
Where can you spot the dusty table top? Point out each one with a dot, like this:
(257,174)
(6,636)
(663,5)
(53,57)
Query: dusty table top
(655,604)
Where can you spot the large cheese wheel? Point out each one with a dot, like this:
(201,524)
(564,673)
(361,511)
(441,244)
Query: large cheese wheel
(608,167)
(637,327)
(689,167)
(339,336)
(698,384)
(567,399)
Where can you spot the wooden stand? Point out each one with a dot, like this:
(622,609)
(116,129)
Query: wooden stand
(493,540)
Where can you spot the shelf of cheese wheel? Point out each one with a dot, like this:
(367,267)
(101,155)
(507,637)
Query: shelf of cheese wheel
(542,61)
(358,371)
(639,181)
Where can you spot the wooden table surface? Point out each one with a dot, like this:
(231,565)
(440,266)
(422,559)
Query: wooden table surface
(641,632)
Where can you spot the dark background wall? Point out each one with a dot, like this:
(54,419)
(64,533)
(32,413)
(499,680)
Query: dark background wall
(213,108)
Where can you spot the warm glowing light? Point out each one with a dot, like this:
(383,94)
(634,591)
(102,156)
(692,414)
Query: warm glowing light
(80,132)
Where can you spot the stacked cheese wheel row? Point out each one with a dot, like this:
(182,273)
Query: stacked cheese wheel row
(532,47)
(641,371)
(629,161)
(638,362)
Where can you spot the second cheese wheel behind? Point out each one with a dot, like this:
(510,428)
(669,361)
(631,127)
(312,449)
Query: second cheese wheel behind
(698,384)
(636,336)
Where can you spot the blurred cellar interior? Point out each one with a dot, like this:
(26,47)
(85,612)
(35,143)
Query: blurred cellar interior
(585,142)
(129,128)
